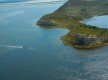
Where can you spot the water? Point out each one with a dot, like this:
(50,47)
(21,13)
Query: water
(30,52)
(99,21)
(12,1)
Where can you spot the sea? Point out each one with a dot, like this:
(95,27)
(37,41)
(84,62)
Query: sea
(31,52)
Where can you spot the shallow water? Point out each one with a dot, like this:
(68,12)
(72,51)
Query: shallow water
(30,52)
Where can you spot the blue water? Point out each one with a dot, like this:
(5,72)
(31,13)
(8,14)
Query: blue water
(99,21)
(13,1)
(30,52)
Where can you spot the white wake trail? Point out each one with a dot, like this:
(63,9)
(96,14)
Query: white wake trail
(17,47)
(11,46)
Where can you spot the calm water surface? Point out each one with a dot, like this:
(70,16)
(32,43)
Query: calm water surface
(29,52)
(12,1)
(100,21)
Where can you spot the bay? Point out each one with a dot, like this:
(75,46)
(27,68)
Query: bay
(99,21)
(30,52)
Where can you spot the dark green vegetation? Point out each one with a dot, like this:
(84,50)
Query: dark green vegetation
(69,16)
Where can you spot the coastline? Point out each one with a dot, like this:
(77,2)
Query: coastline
(83,47)
(86,36)
(66,42)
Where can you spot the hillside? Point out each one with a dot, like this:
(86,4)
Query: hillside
(69,16)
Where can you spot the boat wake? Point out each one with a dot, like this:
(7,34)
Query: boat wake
(16,47)
(10,46)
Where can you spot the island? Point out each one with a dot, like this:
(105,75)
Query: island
(71,14)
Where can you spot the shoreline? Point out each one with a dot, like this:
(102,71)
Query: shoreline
(73,45)
(86,36)
(83,47)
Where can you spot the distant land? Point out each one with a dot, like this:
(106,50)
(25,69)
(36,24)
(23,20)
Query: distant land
(69,16)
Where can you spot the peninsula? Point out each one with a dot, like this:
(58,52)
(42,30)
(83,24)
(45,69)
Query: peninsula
(69,16)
